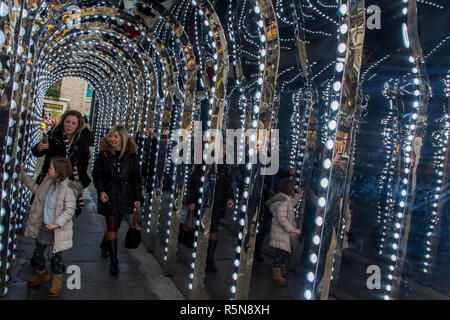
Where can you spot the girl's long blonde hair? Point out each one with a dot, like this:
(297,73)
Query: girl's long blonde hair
(124,136)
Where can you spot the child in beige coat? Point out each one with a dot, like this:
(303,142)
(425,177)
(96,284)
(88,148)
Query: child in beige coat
(50,220)
(283,226)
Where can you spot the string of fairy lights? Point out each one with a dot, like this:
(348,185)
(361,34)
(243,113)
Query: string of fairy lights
(440,179)
(10,149)
(254,113)
(211,97)
(330,136)
(135,75)
(392,245)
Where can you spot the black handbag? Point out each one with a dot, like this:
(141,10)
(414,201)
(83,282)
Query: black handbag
(186,234)
(132,238)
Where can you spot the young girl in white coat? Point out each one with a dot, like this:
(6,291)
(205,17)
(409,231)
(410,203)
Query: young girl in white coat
(283,226)
(50,220)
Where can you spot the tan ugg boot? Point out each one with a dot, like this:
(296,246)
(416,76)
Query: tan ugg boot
(276,276)
(38,278)
(55,289)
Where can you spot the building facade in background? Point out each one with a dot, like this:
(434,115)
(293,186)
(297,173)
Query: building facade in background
(66,94)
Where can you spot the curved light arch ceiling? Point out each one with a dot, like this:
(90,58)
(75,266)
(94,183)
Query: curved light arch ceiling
(147,52)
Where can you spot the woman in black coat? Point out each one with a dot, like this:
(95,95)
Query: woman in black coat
(117,178)
(71,140)
(223,198)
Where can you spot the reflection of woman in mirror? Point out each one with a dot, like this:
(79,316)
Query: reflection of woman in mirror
(283,226)
(223,198)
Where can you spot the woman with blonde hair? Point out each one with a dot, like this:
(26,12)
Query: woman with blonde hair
(117,178)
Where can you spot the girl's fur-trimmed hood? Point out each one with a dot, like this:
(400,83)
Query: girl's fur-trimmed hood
(277,198)
(76,187)
(105,146)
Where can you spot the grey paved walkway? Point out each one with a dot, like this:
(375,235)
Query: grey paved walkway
(140,277)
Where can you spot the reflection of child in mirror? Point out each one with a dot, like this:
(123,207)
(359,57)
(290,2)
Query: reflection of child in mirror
(283,226)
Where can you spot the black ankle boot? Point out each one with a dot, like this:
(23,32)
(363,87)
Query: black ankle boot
(113,262)
(104,248)
(210,265)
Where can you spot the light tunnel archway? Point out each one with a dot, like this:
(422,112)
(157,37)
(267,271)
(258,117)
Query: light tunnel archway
(303,67)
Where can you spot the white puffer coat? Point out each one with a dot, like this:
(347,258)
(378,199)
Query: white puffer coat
(283,221)
(65,209)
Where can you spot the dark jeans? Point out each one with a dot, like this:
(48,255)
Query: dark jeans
(58,266)
(264,230)
(281,258)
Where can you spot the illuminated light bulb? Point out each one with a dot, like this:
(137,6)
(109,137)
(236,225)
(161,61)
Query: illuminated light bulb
(343,9)
(332,125)
(334,105)
(322,201)
(342,47)
(327,163)
(337,86)
(324,183)
(316,240)
(319,221)
(329,144)
(313,258)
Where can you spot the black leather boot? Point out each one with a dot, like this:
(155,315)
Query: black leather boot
(104,248)
(113,262)
(210,265)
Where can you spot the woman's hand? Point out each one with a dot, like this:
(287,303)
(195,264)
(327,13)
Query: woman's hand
(137,205)
(51,226)
(104,197)
(43,146)
(297,232)
(135,223)
(230,203)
